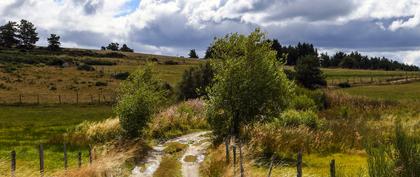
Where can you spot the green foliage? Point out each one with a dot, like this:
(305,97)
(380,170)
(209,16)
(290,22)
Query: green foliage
(27,35)
(303,103)
(125,48)
(195,81)
(308,73)
(8,35)
(293,118)
(398,158)
(54,42)
(113,46)
(139,98)
(317,96)
(192,54)
(85,67)
(249,83)
(344,85)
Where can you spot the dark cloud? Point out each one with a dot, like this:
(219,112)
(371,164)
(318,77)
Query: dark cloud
(85,38)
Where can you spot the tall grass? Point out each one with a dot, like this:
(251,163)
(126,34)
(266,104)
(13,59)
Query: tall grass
(399,157)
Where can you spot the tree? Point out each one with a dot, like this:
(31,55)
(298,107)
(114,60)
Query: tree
(139,98)
(249,84)
(8,35)
(54,42)
(195,81)
(125,48)
(27,35)
(308,73)
(113,46)
(193,54)
(209,52)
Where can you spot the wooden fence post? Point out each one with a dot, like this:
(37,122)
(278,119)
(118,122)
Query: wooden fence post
(90,155)
(332,168)
(65,156)
(227,149)
(59,99)
(13,162)
(20,98)
(271,166)
(79,155)
(37,99)
(91,99)
(77,97)
(41,159)
(241,159)
(234,153)
(299,164)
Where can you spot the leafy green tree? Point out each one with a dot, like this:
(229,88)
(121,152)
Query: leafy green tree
(249,83)
(139,98)
(193,54)
(54,42)
(113,46)
(308,72)
(209,52)
(27,35)
(195,81)
(125,48)
(8,35)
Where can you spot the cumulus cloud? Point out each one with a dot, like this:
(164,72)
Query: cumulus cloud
(173,27)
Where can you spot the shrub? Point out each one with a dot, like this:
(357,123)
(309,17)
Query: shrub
(139,98)
(344,85)
(318,96)
(308,72)
(293,118)
(101,83)
(121,75)
(195,81)
(170,62)
(98,62)
(10,68)
(303,103)
(85,67)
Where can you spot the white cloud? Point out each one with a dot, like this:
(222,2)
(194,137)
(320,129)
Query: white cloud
(174,26)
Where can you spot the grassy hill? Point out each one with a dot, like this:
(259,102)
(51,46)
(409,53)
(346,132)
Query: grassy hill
(47,78)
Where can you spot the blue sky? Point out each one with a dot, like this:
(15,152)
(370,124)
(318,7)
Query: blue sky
(375,27)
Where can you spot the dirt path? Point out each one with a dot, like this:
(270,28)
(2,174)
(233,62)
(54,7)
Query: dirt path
(197,144)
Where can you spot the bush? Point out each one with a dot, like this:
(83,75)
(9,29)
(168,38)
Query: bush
(101,83)
(195,81)
(308,72)
(318,96)
(98,62)
(85,67)
(344,85)
(139,98)
(293,118)
(121,75)
(303,103)
(170,62)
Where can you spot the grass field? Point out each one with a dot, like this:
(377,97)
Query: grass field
(23,128)
(410,91)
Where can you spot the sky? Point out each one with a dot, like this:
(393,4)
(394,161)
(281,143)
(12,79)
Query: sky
(389,28)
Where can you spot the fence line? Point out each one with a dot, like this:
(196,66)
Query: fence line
(14,155)
(46,98)
(386,80)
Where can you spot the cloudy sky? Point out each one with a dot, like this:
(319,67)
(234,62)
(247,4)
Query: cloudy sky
(388,28)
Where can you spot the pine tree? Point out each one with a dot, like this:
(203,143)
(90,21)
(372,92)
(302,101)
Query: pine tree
(54,42)
(27,35)
(193,54)
(8,35)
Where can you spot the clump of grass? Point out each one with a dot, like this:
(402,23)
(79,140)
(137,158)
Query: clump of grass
(190,158)
(96,132)
(178,120)
(174,147)
(214,165)
(169,167)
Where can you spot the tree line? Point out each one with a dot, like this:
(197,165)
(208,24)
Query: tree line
(292,54)
(23,36)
